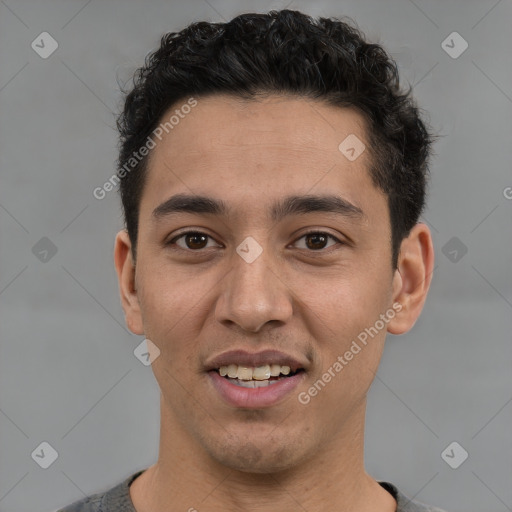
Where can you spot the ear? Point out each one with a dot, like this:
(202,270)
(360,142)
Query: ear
(125,269)
(412,278)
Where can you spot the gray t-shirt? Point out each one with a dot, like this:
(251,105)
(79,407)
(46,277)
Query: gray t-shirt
(117,499)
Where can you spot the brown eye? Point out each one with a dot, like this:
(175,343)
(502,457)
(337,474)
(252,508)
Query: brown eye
(316,241)
(193,240)
(196,240)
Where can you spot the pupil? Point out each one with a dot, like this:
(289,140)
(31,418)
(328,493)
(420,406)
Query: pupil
(319,241)
(196,241)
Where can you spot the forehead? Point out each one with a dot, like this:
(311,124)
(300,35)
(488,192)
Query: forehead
(255,149)
(274,120)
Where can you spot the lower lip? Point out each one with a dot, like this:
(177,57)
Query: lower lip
(253,398)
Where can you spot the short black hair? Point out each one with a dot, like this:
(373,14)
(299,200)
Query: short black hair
(283,52)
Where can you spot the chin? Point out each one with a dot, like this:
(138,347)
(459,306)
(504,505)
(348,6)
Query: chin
(246,463)
(267,456)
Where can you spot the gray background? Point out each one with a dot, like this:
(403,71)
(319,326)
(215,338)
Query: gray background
(68,375)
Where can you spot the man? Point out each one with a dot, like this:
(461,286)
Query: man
(272,177)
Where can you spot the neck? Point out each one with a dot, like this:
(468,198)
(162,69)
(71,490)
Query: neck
(186,478)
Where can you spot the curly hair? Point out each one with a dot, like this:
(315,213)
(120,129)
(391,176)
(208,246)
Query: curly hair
(284,52)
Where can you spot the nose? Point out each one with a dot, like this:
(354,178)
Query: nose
(253,295)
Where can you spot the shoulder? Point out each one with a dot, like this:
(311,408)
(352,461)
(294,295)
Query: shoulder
(115,499)
(90,504)
(405,504)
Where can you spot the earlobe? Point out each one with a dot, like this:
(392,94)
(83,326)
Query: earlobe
(412,278)
(125,269)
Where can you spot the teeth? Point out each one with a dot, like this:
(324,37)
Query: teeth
(253,383)
(261,372)
(275,370)
(244,373)
(250,374)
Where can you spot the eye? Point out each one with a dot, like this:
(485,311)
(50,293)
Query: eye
(197,240)
(316,240)
(192,240)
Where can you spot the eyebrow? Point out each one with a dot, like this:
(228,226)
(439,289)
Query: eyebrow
(291,205)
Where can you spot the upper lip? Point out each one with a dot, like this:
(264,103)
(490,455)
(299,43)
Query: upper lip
(244,358)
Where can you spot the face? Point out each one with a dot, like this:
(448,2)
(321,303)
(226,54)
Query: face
(284,262)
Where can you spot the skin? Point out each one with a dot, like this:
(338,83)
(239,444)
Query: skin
(195,303)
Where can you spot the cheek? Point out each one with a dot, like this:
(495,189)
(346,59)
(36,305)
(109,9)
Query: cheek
(342,316)
(342,321)
(170,307)
(167,293)
(343,307)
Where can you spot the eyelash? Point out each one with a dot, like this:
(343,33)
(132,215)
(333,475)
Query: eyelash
(332,237)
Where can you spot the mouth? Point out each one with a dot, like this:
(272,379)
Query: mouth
(245,380)
(256,377)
